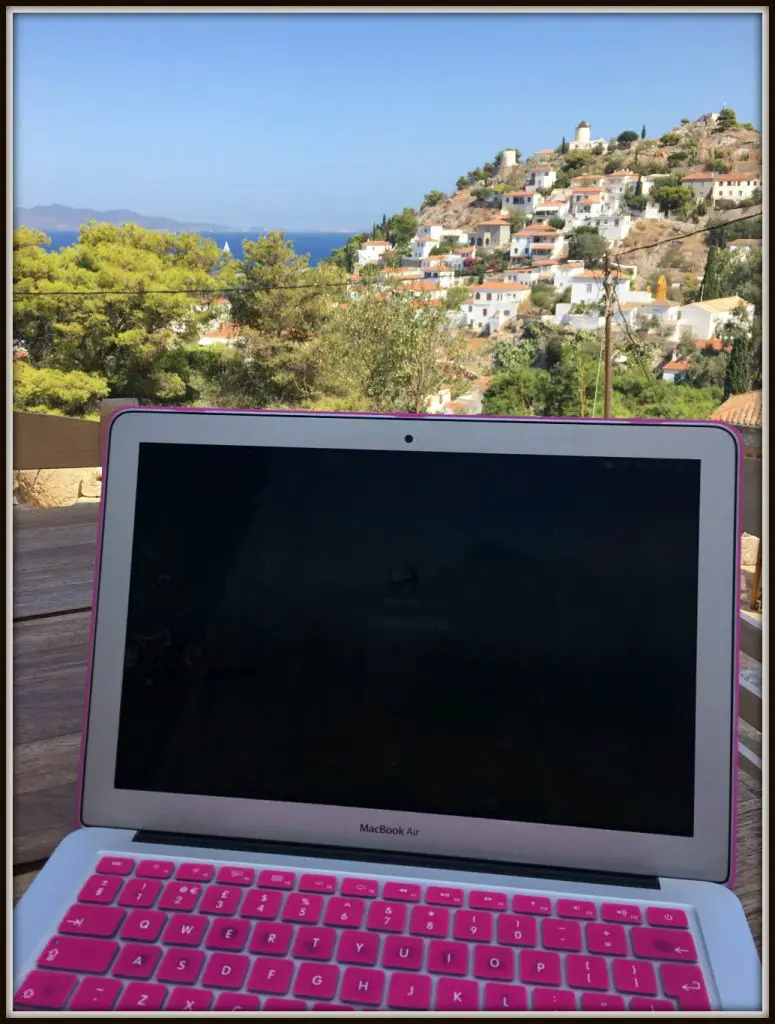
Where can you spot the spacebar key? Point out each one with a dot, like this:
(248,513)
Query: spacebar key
(92,956)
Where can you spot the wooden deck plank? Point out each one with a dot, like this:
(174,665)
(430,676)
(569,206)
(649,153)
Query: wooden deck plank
(53,559)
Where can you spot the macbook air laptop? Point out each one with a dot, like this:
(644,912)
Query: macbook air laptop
(404,714)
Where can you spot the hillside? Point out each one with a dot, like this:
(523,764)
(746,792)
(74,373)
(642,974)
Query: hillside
(68,218)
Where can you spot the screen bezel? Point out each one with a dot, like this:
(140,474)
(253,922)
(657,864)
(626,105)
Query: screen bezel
(705,855)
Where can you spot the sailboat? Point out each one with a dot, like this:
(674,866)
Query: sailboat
(226,248)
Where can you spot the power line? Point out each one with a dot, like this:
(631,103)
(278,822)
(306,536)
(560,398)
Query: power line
(634,348)
(688,234)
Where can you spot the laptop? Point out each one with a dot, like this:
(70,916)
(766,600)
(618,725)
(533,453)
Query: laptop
(404,713)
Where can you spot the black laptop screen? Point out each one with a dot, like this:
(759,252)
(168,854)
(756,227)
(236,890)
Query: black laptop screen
(491,636)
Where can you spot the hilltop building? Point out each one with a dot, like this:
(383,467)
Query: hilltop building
(582,138)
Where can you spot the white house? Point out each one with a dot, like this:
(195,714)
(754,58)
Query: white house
(736,186)
(588,203)
(220,334)
(541,176)
(582,140)
(523,275)
(565,272)
(456,234)
(394,275)
(422,247)
(493,303)
(537,240)
(613,227)
(430,231)
(617,183)
(674,370)
(371,251)
(551,208)
(588,181)
(491,234)
(587,287)
(525,199)
(443,276)
(705,319)
(745,246)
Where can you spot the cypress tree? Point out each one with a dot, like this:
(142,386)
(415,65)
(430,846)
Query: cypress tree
(643,132)
(711,279)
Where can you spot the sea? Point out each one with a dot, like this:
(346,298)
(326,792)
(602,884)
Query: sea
(317,245)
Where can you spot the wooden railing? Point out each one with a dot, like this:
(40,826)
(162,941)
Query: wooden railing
(58,442)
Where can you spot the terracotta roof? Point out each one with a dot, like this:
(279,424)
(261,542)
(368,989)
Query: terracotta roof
(540,169)
(374,241)
(522,192)
(538,152)
(676,364)
(588,191)
(591,275)
(744,410)
(465,249)
(714,343)
(499,286)
(623,174)
(227,331)
(739,176)
(536,229)
(428,241)
(546,263)
(552,202)
(699,176)
(421,286)
(543,245)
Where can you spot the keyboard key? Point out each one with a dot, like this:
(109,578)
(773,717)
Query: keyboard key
(221,899)
(531,905)
(441,896)
(272,976)
(478,900)
(577,908)
(142,995)
(185,930)
(665,917)
(96,994)
(429,921)
(403,953)
(362,986)
(494,963)
(271,939)
(181,965)
(537,968)
(143,925)
(359,948)
(363,887)
(517,931)
(595,1001)
(115,866)
(100,922)
(236,876)
(314,943)
(262,903)
(189,999)
(100,889)
(316,981)
(587,972)
(686,984)
(180,896)
(634,976)
(553,999)
(331,1007)
(289,1005)
(92,956)
(230,935)
(231,1001)
(609,939)
(45,990)
(456,995)
(136,961)
(447,958)
(386,917)
(561,934)
(409,992)
(344,913)
(225,970)
(402,892)
(317,883)
(663,944)
(299,907)
(505,997)
(139,893)
(651,1004)
(195,873)
(155,869)
(277,879)
(473,926)
(621,913)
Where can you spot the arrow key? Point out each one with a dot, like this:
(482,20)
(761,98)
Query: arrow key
(686,984)
(88,919)
(663,944)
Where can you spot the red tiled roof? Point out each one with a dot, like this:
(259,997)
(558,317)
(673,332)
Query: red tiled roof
(499,286)
(744,410)
(522,192)
(375,241)
(676,364)
(714,343)
(536,229)
(739,176)
(223,331)
(540,169)
(699,176)
(746,241)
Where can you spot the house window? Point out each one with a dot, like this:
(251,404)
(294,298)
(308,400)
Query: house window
(589,289)
(484,312)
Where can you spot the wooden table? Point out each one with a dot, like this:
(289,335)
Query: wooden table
(53,562)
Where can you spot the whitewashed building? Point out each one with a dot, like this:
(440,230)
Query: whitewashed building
(613,228)
(588,203)
(523,275)
(541,176)
(492,303)
(371,251)
(444,276)
(549,208)
(706,319)
(736,186)
(565,272)
(540,240)
(582,138)
(422,247)
(700,182)
(491,234)
(525,199)
(587,287)
(617,183)
(430,231)
(745,246)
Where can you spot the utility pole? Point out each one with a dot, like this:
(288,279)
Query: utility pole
(608,290)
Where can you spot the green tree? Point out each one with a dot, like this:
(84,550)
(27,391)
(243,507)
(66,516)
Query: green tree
(563,146)
(625,139)
(344,257)
(556,222)
(670,139)
(71,393)
(517,220)
(446,245)
(455,297)
(711,278)
(726,119)
(401,227)
(543,296)
(740,373)
(433,198)
(586,244)
(461,183)
(643,132)
(519,392)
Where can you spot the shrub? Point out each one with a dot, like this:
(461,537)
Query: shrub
(626,138)
(670,139)
(434,197)
(556,222)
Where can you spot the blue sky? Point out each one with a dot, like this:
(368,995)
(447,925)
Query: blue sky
(325,122)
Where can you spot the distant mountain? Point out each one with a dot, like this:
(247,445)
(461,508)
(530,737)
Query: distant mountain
(67,218)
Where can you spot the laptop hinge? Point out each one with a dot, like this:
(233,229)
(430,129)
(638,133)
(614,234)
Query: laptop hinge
(316,850)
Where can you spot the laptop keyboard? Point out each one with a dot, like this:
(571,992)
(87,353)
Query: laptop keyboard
(165,935)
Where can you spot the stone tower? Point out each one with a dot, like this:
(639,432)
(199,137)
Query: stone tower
(507,167)
(582,132)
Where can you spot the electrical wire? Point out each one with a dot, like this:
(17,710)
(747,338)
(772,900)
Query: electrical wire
(634,348)
(688,234)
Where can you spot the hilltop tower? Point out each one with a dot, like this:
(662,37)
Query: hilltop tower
(583,133)
(508,165)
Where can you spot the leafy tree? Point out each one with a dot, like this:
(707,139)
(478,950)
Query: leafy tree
(543,296)
(562,180)
(726,119)
(586,244)
(576,160)
(563,146)
(461,183)
(517,219)
(446,245)
(684,120)
(719,166)
(344,257)
(401,227)
(433,198)
(519,392)
(740,374)
(625,139)
(707,368)
(711,278)
(643,132)
(672,198)
(455,297)
(556,222)
(598,150)
(670,139)
(611,166)
(71,393)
